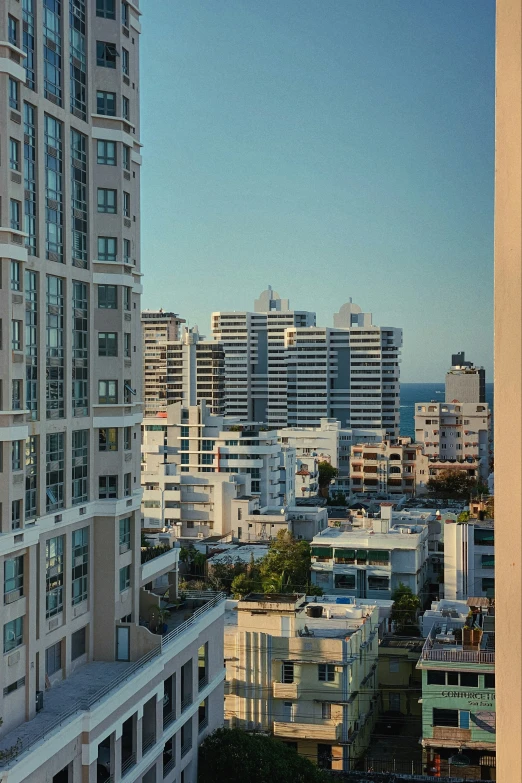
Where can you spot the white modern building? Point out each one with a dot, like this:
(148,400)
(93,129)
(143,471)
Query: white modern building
(179,367)
(371,560)
(455,436)
(83,682)
(394,467)
(282,369)
(469,559)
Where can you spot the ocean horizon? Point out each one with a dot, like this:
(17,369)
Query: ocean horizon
(412,393)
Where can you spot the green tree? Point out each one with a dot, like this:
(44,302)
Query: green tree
(405,606)
(236,756)
(455,484)
(326,473)
(463,516)
(242,584)
(286,567)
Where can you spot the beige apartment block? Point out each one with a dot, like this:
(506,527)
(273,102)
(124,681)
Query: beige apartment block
(395,468)
(178,367)
(84,674)
(305,671)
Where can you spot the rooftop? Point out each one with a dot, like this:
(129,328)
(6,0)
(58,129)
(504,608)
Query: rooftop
(348,535)
(450,641)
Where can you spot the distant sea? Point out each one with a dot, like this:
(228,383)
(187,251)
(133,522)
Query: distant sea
(425,392)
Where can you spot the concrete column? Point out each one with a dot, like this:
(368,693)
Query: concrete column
(138,726)
(508,389)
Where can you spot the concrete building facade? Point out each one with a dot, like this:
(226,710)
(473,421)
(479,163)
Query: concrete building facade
(464,381)
(305,672)
(469,559)
(392,467)
(455,436)
(369,562)
(179,367)
(82,680)
(282,369)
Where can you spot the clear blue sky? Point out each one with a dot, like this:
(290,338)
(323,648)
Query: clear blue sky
(330,148)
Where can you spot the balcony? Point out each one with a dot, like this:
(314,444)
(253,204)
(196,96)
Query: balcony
(286,690)
(316,731)
(156,561)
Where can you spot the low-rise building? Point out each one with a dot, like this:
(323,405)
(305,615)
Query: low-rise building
(304,670)
(397,468)
(400,682)
(458,694)
(372,560)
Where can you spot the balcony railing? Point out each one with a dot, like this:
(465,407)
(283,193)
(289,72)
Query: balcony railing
(186,747)
(169,718)
(211,598)
(186,702)
(168,767)
(148,741)
(128,764)
(432,651)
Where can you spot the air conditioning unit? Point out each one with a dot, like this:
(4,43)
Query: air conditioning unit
(14,595)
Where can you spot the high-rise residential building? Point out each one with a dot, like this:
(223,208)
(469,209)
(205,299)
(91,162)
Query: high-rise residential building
(180,367)
(464,381)
(455,436)
(305,671)
(83,683)
(255,357)
(282,369)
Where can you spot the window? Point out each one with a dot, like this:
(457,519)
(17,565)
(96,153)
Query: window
(108,487)
(16,215)
(108,297)
(78,58)
(127,345)
(326,710)
(106,153)
(126,298)
(80,564)
(55,465)
(344,581)
(393,665)
(14,154)
(326,672)
(31,477)
(378,583)
(108,439)
(53,659)
(128,392)
(203,715)
(13,634)
(125,14)
(324,756)
(106,9)
(54,576)
(125,534)
(489,681)
(287,673)
(55,348)
(108,392)
(126,157)
(78,643)
(488,561)
(16,455)
(16,514)
(106,54)
(239,513)
(16,335)
(107,248)
(125,61)
(79,199)
(14,686)
(107,344)
(106,103)
(14,99)
(125,108)
(16,396)
(446,718)
(125,579)
(127,485)
(80,466)
(12,30)
(203,666)
(436,677)
(127,251)
(488,583)
(126,204)
(483,536)
(126,438)
(16,279)
(13,579)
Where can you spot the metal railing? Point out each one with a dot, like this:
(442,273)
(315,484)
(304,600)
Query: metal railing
(169,718)
(169,766)
(212,600)
(432,653)
(128,764)
(202,683)
(186,747)
(147,742)
(186,702)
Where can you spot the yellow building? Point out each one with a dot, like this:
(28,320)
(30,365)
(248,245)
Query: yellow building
(399,682)
(304,672)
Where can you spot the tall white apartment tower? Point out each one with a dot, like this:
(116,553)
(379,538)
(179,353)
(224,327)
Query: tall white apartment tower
(84,674)
(282,369)
(255,357)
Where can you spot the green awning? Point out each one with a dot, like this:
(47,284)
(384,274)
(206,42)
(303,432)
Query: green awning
(321,551)
(345,554)
(378,554)
(362,554)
